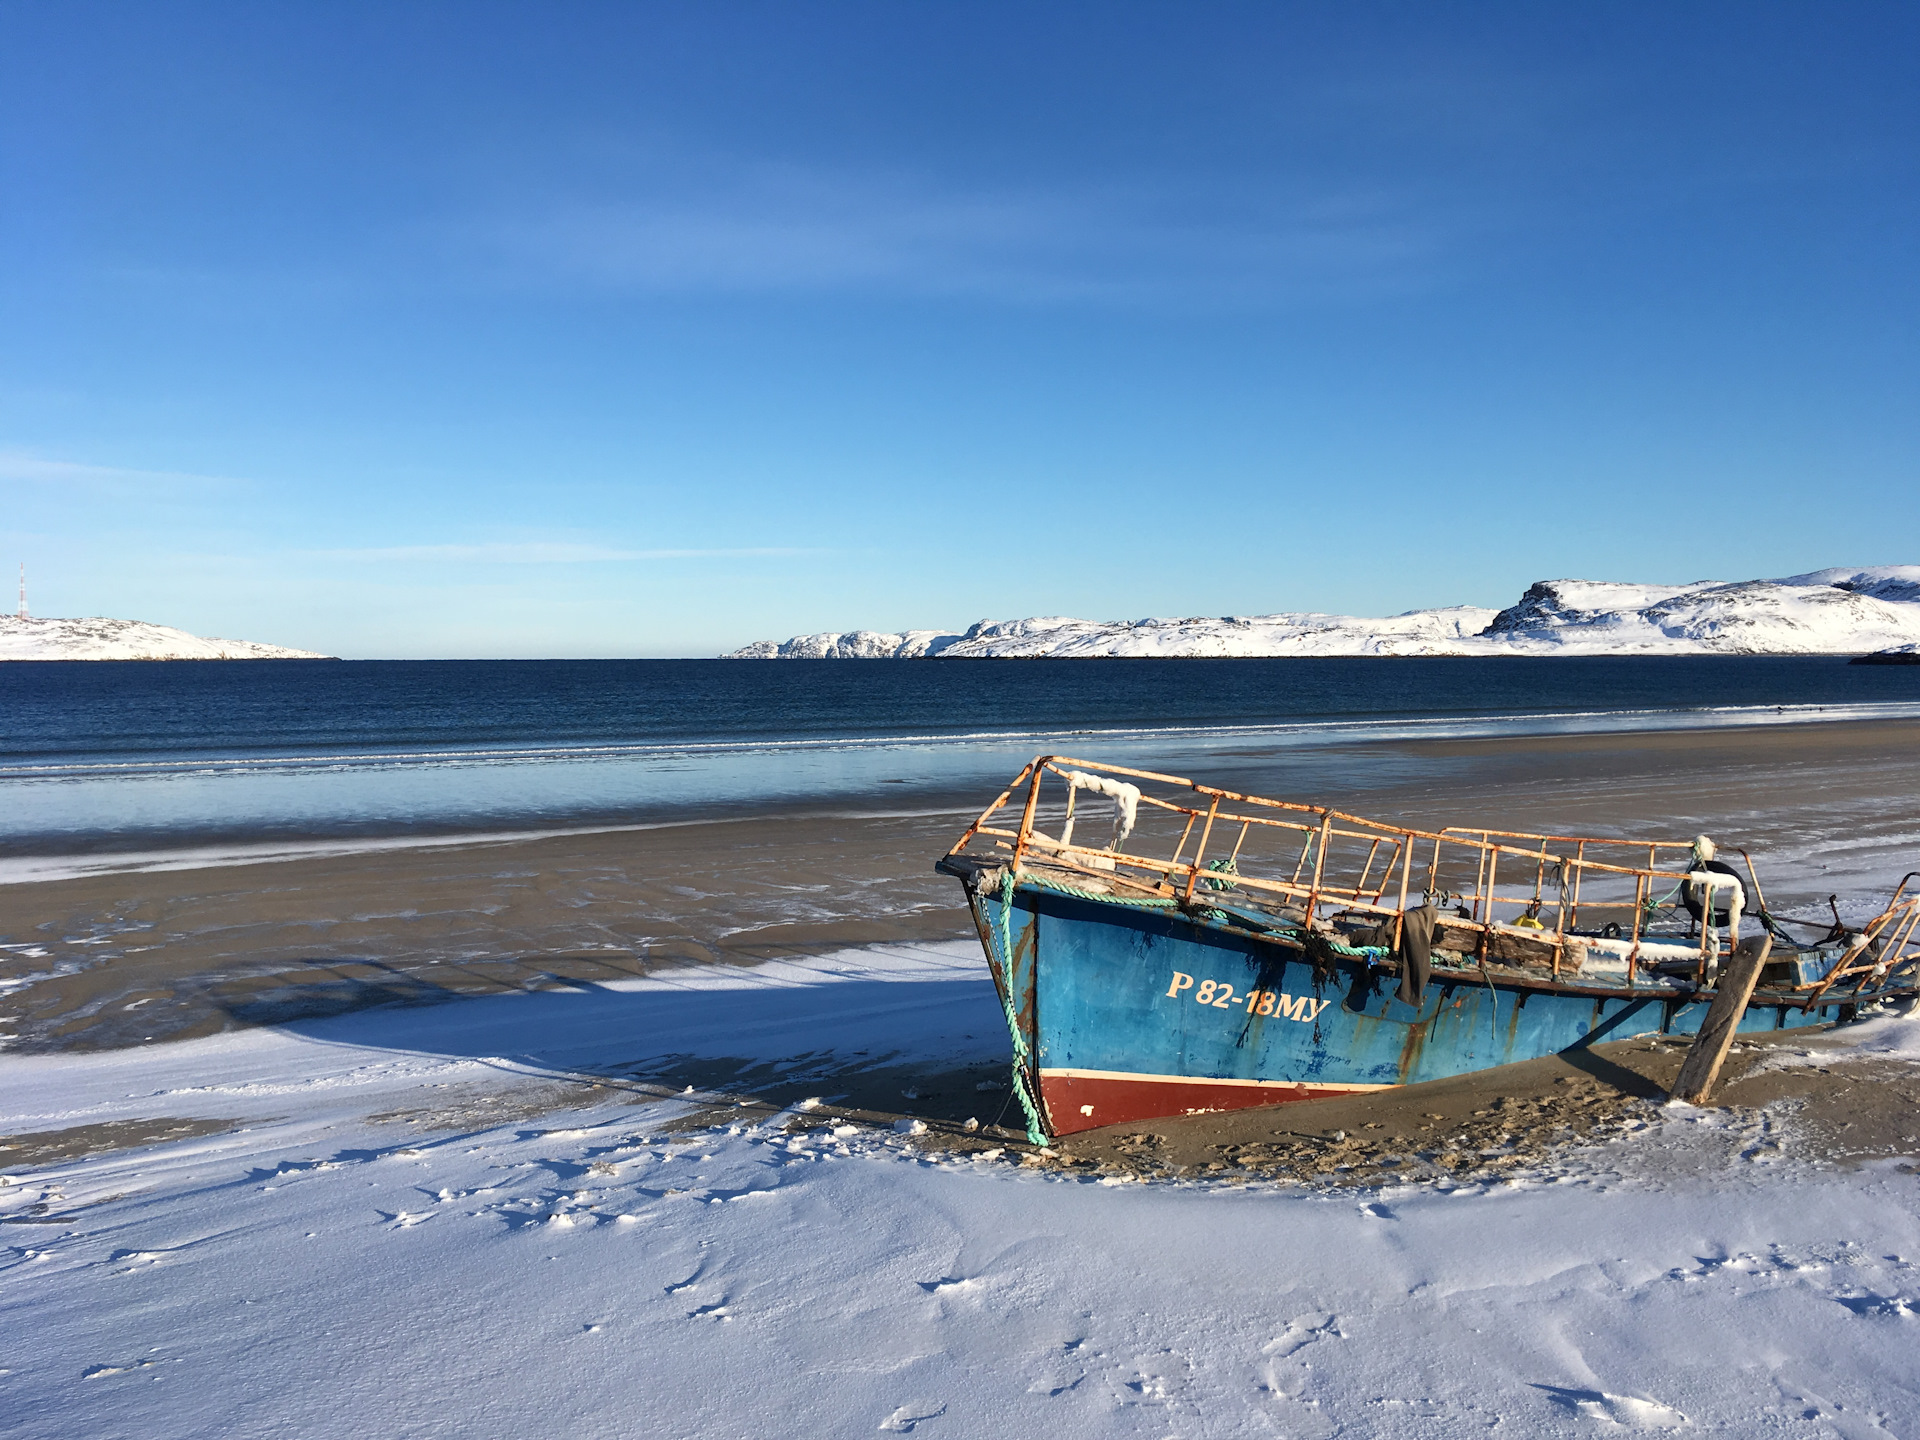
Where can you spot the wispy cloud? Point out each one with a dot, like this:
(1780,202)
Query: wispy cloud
(34,470)
(774,229)
(545,553)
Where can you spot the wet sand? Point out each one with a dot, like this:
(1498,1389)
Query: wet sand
(110,960)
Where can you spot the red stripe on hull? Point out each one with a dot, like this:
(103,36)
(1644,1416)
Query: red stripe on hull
(1085,1102)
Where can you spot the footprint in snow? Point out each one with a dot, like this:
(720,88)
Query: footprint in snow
(902,1420)
(949,1285)
(1625,1412)
(1301,1332)
(100,1372)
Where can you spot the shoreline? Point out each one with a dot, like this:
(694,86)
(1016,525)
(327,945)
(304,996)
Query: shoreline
(178,944)
(24,859)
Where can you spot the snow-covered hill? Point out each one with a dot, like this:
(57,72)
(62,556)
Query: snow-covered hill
(1825,612)
(99,638)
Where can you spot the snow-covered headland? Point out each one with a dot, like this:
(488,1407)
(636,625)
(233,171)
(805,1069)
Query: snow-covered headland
(99,638)
(1825,612)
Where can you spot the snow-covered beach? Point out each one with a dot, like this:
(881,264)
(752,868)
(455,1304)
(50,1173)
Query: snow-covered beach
(485,1219)
(589,1195)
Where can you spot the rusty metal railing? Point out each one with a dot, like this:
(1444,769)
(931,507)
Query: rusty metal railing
(1527,895)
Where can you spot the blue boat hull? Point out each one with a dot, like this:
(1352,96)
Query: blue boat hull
(1124,1014)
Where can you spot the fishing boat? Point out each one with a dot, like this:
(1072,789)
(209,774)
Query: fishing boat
(1212,950)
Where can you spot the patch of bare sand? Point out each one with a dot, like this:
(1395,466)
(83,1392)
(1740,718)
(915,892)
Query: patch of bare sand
(1530,1116)
(167,955)
(82,1142)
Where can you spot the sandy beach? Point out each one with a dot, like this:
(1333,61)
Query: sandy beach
(732,1094)
(130,957)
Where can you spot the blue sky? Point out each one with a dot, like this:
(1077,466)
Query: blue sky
(627,329)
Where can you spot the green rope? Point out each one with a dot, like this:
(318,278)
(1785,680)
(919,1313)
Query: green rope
(1036,1132)
(1649,906)
(1152,901)
(1221,868)
(1369,952)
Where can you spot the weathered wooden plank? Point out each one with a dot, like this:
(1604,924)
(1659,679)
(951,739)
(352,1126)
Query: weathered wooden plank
(1503,948)
(1709,1050)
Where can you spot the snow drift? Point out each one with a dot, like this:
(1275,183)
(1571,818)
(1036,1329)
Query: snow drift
(99,638)
(1825,612)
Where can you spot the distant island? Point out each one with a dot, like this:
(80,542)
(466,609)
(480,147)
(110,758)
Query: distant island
(1825,612)
(99,638)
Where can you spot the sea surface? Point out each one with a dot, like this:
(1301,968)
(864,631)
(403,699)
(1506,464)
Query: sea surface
(132,756)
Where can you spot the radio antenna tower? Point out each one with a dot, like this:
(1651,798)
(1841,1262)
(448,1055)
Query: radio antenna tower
(23,590)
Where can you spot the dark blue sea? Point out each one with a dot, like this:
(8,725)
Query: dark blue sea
(107,755)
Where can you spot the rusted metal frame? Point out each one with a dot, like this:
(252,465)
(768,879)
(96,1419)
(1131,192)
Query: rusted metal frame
(1026,815)
(1455,831)
(1319,865)
(1890,950)
(1640,883)
(1146,798)
(1846,965)
(1485,897)
(1200,850)
(1165,867)
(1386,870)
(1236,796)
(1234,858)
(1492,857)
(1453,834)
(1366,871)
(1306,848)
(1311,835)
(1580,861)
(1230,818)
(1560,928)
(1754,876)
(1896,957)
(1005,796)
(1892,955)
(1607,869)
(1406,879)
(1191,818)
(1156,889)
(1058,768)
(1480,878)
(1105,768)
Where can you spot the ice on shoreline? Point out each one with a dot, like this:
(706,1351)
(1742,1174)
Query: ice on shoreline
(1823,612)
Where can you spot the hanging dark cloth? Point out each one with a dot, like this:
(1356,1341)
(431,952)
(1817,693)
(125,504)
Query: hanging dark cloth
(1415,952)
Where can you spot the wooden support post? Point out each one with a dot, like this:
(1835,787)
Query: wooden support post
(1709,1051)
